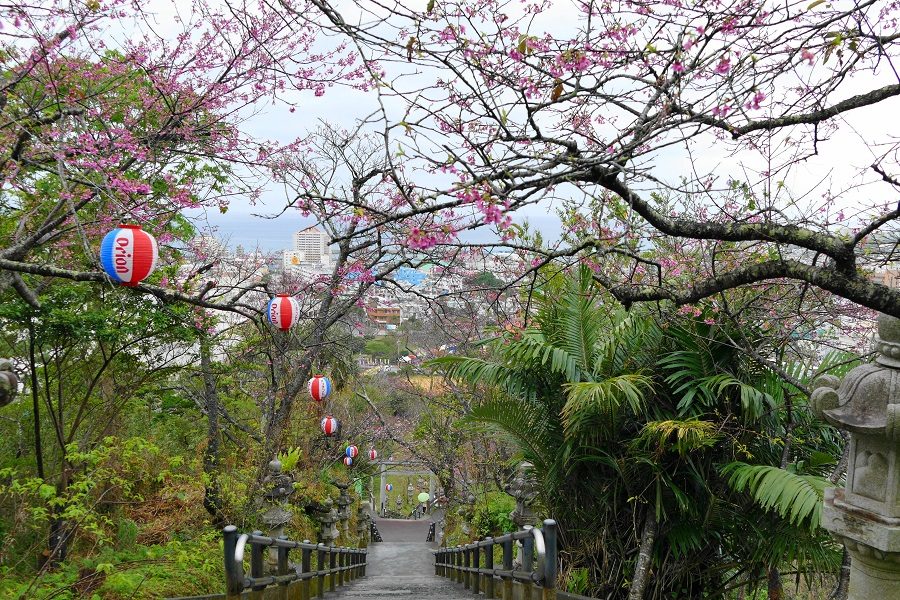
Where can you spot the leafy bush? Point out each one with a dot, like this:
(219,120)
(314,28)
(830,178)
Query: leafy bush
(492,517)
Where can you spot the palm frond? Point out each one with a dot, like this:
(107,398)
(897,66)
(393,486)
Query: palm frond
(477,371)
(682,436)
(534,350)
(589,400)
(524,423)
(795,497)
(580,322)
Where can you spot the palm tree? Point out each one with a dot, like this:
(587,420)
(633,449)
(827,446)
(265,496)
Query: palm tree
(629,419)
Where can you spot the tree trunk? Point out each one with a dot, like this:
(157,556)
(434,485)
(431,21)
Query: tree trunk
(843,585)
(775,588)
(57,544)
(642,566)
(212,496)
(35,403)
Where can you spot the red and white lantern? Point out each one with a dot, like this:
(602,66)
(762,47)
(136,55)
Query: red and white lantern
(348,461)
(330,426)
(319,387)
(352,451)
(128,254)
(283,311)
(389,488)
(372,454)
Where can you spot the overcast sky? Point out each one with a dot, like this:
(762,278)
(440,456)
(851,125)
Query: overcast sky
(840,159)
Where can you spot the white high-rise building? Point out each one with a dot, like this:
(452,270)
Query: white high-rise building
(313,243)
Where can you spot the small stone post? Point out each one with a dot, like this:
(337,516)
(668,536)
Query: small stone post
(327,518)
(279,487)
(384,499)
(865,516)
(362,526)
(9,382)
(524,490)
(343,511)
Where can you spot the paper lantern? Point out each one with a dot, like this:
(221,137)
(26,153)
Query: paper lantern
(423,497)
(319,387)
(389,488)
(351,451)
(283,311)
(348,461)
(330,426)
(372,454)
(128,254)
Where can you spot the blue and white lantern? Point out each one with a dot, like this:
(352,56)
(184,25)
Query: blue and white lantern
(283,311)
(319,387)
(128,254)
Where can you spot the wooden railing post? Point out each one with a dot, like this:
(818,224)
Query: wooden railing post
(467,575)
(320,567)
(332,563)
(283,569)
(527,565)
(476,576)
(507,566)
(257,568)
(234,573)
(305,567)
(550,559)
(489,564)
(340,565)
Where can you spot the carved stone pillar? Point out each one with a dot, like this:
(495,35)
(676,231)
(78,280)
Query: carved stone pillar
(327,518)
(9,382)
(278,486)
(362,526)
(524,490)
(865,516)
(343,511)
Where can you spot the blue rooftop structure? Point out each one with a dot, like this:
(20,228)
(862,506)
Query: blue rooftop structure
(409,276)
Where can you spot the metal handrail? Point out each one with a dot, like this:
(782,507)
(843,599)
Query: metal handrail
(463,563)
(343,564)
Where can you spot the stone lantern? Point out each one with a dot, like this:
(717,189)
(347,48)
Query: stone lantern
(344,501)
(865,516)
(278,487)
(327,518)
(9,382)
(362,526)
(523,489)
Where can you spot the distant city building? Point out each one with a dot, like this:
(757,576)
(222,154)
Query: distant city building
(888,277)
(293,258)
(312,242)
(385,315)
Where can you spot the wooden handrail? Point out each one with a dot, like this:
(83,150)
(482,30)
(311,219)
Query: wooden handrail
(463,563)
(339,564)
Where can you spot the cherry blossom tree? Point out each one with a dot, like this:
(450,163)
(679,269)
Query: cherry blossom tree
(123,111)
(688,148)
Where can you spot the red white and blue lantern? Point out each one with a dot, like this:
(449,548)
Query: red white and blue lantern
(283,311)
(128,254)
(330,426)
(348,461)
(389,488)
(319,387)
(351,451)
(372,454)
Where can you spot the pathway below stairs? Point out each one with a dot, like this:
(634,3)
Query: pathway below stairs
(402,566)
